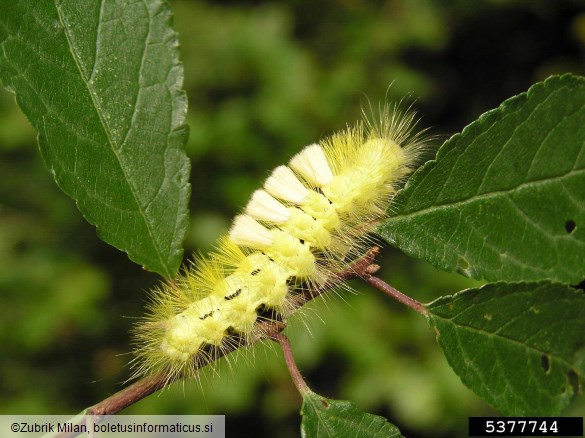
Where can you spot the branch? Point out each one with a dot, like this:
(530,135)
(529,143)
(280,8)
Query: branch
(269,329)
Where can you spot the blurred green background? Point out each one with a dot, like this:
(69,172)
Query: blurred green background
(265,79)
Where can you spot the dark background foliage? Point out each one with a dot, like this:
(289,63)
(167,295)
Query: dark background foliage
(263,80)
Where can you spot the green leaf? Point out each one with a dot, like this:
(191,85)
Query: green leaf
(505,199)
(101,82)
(519,346)
(324,418)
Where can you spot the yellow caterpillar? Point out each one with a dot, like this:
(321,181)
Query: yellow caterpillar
(308,221)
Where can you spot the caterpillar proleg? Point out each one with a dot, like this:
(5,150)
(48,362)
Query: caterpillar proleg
(309,220)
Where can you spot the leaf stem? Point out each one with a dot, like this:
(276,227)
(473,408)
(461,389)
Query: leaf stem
(295,374)
(394,293)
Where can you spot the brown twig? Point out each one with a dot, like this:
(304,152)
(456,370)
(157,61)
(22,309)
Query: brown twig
(363,268)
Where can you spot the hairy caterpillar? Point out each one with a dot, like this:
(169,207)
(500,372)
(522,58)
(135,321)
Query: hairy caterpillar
(310,219)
